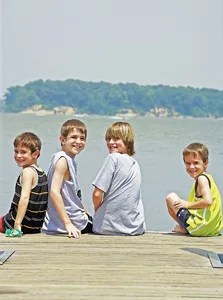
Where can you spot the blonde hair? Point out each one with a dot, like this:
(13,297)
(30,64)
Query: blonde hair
(123,131)
(69,125)
(195,149)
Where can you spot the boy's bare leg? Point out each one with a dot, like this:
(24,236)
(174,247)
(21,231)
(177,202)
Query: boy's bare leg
(172,214)
(170,200)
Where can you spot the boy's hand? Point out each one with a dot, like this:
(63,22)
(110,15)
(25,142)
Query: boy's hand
(72,231)
(181,204)
(17,226)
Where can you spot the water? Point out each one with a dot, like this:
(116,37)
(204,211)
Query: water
(159,144)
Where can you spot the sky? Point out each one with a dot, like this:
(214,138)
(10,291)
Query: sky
(149,42)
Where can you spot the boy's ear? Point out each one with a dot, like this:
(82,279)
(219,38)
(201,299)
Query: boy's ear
(62,139)
(36,154)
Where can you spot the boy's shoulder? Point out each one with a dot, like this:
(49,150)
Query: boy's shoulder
(202,177)
(62,154)
(209,179)
(118,157)
(28,174)
(205,175)
(32,168)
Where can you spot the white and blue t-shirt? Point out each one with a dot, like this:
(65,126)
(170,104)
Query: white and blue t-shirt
(121,212)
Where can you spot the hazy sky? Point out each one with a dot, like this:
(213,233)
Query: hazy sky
(167,42)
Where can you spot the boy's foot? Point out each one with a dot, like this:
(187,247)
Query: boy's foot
(178,229)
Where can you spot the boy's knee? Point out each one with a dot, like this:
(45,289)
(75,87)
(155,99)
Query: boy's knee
(171,197)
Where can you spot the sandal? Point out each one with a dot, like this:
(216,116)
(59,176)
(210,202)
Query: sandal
(13,233)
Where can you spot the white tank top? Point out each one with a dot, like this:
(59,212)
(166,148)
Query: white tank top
(71,195)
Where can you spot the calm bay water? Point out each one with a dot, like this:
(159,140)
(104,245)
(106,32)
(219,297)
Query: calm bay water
(159,144)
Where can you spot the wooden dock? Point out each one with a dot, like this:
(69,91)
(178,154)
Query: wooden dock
(152,266)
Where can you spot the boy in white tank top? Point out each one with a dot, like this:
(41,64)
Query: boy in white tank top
(65,212)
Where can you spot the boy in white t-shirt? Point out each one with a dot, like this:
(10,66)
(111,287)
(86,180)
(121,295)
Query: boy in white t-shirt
(117,196)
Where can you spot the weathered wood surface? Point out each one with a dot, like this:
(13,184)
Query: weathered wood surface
(152,266)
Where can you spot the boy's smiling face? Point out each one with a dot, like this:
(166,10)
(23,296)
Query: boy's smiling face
(24,157)
(74,143)
(195,165)
(116,146)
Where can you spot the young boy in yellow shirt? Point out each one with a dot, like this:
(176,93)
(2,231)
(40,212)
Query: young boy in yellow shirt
(201,215)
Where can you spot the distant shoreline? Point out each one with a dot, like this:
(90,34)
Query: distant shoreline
(154,113)
(115,117)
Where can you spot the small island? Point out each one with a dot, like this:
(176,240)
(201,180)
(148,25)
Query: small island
(76,97)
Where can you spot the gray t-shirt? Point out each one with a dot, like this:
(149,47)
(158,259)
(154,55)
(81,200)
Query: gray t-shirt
(71,195)
(121,212)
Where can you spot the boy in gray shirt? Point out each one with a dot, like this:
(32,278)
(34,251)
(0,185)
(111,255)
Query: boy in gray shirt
(65,211)
(117,196)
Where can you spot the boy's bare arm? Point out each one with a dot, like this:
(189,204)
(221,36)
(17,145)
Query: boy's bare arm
(97,198)
(60,173)
(203,189)
(28,178)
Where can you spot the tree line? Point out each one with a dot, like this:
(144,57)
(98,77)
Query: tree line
(103,98)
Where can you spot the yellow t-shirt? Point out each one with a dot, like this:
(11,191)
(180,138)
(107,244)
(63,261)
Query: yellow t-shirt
(206,221)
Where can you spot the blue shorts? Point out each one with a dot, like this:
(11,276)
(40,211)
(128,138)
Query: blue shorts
(183,214)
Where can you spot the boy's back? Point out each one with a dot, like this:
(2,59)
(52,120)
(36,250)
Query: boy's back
(71,195)
(36,209)
(65,212)
(29,203)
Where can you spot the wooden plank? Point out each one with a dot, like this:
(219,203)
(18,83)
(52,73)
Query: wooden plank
(152,266)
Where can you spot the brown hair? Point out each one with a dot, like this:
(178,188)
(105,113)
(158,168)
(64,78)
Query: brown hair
(195,149)
(70,125)
(29,140)
(123,131)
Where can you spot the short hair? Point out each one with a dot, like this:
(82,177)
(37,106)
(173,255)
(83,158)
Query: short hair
(123,131)
(29,140)
(69,125)
(195,149)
